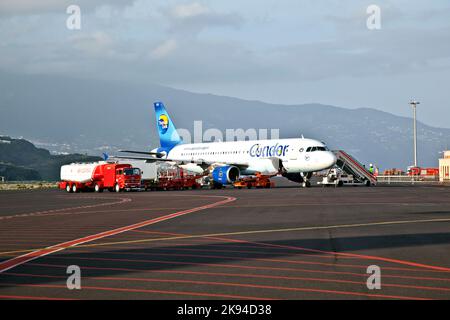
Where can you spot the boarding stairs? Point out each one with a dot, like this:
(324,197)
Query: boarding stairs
(352,166)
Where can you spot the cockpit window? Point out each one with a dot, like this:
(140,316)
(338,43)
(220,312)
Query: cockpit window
(313,149)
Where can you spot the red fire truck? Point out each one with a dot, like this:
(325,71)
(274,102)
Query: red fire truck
(98,176)
(423,172)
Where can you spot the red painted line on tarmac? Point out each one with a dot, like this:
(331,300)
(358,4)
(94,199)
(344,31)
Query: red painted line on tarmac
(259,286)
(255,252)
(170,234)
(226,274)
(342,254)
(332,254)
(57,211)
(141,232)
(244,275)
(162,233)
(234,266)
(361,256)
(31,275)
(257,259)
(26,241)
(244,285)
(31,298)
(206,238)
(183,293)
(35,239)
(6,265)
(43,229)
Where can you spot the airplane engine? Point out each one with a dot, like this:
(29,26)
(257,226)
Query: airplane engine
(225,174)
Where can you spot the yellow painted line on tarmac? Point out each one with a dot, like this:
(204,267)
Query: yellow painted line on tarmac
(250,232)
(269,231)
(340,204)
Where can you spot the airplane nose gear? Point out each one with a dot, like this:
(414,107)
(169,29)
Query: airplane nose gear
(306,176)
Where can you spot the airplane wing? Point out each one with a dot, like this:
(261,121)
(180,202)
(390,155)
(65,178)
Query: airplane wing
(146,159)
(206,164)
(143,152)
(202,163)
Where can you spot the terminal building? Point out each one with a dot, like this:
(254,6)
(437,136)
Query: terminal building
(444,167)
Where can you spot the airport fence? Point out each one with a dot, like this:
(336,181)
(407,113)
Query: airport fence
(408,179)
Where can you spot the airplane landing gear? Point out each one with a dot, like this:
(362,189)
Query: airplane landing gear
(306,184)
(305,177)
(302,178)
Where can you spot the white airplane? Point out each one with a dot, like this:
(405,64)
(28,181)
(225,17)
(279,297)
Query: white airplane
(295,159)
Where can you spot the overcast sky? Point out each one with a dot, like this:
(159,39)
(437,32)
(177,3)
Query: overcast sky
(282,51)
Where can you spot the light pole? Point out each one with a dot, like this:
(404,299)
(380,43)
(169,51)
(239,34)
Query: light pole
(414,104)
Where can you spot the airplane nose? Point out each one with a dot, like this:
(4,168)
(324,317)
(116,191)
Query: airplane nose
(331,159)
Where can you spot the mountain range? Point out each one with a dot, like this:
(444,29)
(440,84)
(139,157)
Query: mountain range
(68,115)
(21,160)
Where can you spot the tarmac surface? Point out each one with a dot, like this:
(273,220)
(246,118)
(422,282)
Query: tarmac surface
(282,243)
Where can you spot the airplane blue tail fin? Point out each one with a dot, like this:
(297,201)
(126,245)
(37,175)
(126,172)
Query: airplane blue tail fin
(168,134)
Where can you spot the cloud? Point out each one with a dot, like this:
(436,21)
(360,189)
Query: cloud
(222,48)
(185,19)
(164,49)
(97,43)
(26,7)
(30,6)
(184,11)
